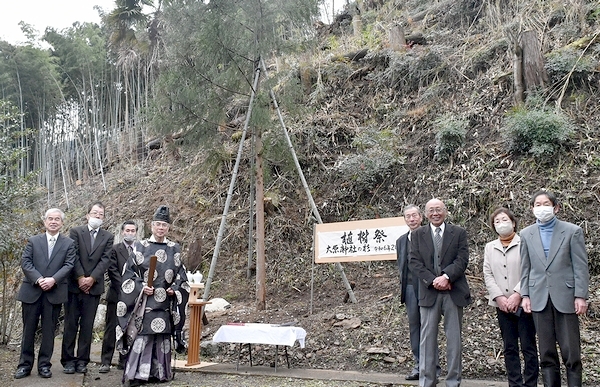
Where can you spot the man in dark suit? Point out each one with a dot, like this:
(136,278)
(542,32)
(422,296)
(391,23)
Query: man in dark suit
(118,256)
(554,286)
(46,262)
(93,247)
(408,285)
(439,257)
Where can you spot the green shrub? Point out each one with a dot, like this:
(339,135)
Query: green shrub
(374,160)
(450,136)
(369,168)
(593,15)
(411,71)
(487,56)
(539,132)
(371,37)
(559,64)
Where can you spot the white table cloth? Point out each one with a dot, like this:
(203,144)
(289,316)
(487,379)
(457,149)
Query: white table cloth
(260,334)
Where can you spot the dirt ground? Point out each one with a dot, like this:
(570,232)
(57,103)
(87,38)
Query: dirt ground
(370,336)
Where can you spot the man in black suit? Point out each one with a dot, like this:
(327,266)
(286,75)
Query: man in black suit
(93,247)
(408,285)
(118,256)
(439,257)
(46,262)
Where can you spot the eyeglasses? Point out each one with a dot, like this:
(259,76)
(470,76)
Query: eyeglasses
(96,213)
(411,216)
(161,224)
(436,210)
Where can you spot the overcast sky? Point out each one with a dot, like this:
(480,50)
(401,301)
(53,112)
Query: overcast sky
(46,13)
(63,13)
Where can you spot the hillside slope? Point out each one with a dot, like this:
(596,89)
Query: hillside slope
(365,133)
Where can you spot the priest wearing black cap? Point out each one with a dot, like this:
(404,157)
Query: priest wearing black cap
(160,306)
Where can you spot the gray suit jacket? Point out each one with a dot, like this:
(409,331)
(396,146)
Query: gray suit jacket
(35,264)
(563,276)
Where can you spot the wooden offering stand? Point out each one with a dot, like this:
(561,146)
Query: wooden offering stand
(196,307)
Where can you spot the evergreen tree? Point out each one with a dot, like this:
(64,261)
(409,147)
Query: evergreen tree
(212,50)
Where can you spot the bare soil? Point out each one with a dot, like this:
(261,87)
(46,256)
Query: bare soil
(370,336)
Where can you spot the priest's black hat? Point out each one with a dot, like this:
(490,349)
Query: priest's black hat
(162,214)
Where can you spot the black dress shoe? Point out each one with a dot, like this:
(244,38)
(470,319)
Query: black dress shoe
(45,372)
(131,383)
(69,369)
(22,373)
(412,376)
(81,369)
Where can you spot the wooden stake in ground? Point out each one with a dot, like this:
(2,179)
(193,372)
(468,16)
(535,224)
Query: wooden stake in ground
(261,264)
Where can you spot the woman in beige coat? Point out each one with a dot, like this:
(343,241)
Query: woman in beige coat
(502,273)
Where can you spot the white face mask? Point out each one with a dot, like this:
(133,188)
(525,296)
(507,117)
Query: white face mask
(504,228)
(129,238)
(94,222)
(543,213)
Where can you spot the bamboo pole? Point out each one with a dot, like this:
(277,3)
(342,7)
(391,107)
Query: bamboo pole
(261,262)
(62,171)
(100,160)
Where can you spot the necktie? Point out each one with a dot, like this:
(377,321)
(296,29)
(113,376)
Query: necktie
(129,249)
(437,239)
(93,236)
(51,246)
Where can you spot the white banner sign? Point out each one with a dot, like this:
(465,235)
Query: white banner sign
(363,240)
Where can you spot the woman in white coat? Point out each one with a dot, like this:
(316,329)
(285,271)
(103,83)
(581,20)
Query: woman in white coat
(502,273)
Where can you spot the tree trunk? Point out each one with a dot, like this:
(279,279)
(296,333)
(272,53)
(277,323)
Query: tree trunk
(518,74)
(252,189)
(357,25)
(534,74)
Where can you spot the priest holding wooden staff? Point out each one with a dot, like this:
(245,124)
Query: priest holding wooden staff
(154,295)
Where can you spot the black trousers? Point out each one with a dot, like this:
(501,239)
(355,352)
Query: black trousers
(563,328)
(80,312)
(32,313)
(110,336)
(517,329)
